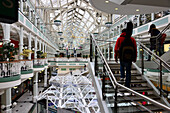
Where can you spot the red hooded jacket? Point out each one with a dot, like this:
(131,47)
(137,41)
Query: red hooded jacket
(118,44)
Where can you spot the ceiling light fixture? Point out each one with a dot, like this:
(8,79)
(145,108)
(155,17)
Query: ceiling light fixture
(116,8)
(60,33)
(137,10)
(57,22)
(95,34)
(108,24)
(107,1)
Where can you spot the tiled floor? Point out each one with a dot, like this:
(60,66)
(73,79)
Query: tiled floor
(24,103)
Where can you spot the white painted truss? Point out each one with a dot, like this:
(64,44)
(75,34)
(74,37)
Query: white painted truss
(72,92)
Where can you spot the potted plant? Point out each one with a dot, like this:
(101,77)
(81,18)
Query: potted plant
(7,52)
(39,53)
(26,52)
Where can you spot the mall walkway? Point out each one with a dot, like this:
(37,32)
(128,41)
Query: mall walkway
(25,102)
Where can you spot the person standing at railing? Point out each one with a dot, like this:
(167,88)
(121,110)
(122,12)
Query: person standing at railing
(154,32)
(126,51)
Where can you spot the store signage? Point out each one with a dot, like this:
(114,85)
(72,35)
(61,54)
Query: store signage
(8,11)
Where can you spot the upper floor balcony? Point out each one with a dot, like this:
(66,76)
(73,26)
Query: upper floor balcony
(10,74)
(26,69)
(40,64)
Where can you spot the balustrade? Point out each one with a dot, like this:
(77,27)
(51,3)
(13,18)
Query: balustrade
(26,66)
(8,69)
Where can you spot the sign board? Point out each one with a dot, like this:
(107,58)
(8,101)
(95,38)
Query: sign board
(8,11)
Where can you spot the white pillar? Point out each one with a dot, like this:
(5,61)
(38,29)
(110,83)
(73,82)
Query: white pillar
(152,16)
(138,20)
(30,14)
(21,43)
(35,48)
(29,45)
(45,78)
(108,52)
(35,87)
(35,20)
(21,5)
(8,101)
(6,30)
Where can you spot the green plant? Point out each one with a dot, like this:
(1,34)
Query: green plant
(39,53)
(7,52)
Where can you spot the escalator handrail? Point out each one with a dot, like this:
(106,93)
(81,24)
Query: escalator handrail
(128,89)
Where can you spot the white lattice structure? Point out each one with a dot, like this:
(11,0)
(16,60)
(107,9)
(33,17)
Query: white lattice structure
(72,92)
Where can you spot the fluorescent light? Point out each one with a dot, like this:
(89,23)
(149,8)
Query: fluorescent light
(137,10)
(106,1)
(116,8)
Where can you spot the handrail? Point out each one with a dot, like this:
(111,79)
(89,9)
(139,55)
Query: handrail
(163,31)
(128,89)
(158,36)
(156,56)
(104,40)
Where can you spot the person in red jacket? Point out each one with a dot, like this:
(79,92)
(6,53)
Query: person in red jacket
(126,33)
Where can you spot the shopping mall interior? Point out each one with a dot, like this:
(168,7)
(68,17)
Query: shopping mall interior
(57,56)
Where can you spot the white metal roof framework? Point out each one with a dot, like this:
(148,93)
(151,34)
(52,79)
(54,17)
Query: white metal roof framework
(73,92)
(78,18)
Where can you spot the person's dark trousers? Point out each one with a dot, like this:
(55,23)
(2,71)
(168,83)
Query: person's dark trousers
(160,50)
(149,56)
(128,72)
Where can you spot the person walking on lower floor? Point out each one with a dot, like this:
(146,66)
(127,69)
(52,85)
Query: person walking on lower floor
(84,67)
(126,51)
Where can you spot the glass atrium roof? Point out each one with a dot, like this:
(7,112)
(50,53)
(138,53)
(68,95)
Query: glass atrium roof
(78,19)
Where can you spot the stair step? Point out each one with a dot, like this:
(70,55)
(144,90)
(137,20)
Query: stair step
(110,90)
(134,81)
(138,109)
(118,69)
(132,74)
(138,89)
(122,82)
(130,98)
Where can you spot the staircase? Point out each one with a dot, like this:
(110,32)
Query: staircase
(128,102)
(114,97)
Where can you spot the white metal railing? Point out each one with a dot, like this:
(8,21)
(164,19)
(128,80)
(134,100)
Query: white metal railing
(26,65)
(45,61)
(38,62)
(8,69)
(71,59)
(52,59)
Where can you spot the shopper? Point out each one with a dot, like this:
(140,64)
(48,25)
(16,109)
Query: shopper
(126,51)
(75,55)
(154,32)
(71,73)
(84,67)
